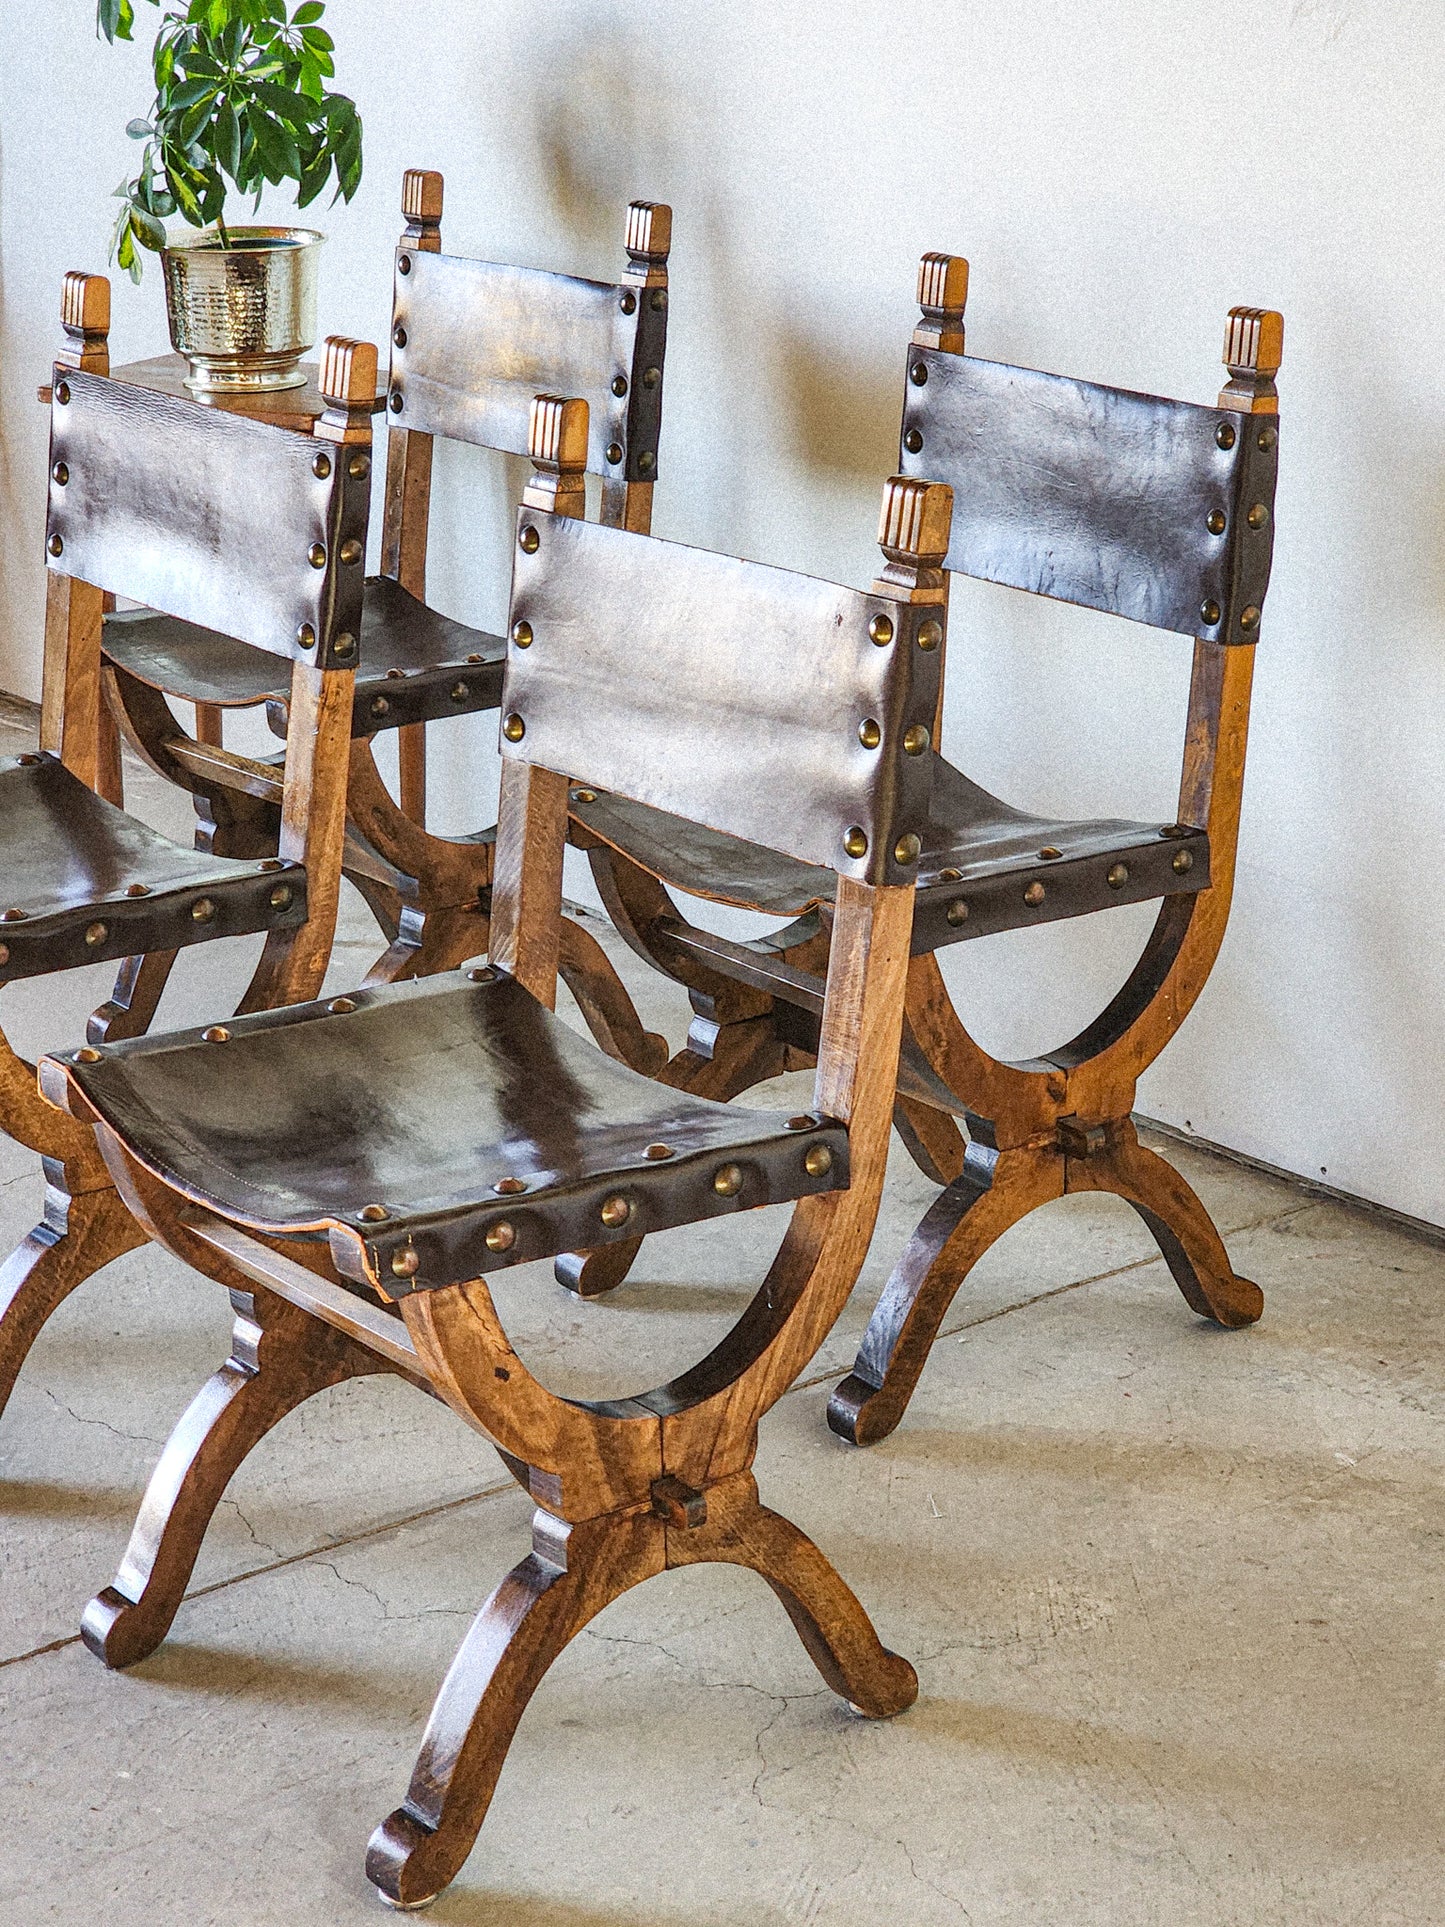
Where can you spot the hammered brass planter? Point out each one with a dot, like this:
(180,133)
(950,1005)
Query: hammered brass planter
(242,315)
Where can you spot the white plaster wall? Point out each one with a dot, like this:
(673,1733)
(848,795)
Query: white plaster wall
(1119,174)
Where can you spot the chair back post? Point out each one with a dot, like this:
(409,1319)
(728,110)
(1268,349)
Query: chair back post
(643,299)
(532,805)
(318,734)
(74,721)
(407,504)
(942,298)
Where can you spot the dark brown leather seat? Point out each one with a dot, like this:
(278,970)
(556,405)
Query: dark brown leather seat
(86,883)
(978,852)
(402,641)
(488,1131)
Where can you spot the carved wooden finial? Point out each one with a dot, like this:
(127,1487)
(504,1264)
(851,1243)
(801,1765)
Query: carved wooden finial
(422,193)
(1253,350)
(649,240)
(348,381)
(85,317)
(913,532)
(942,297)
(557,443)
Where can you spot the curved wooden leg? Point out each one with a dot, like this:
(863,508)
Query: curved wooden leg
(996,1190)
(602,998)
(931,1138)
(1183,1229)
(736,1057)
(571,1573)
(834,1628)
(77,1235)
(279,1358)
(430,941)
(132,1004)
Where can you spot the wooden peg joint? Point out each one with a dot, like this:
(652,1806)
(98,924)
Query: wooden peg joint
(679,1504)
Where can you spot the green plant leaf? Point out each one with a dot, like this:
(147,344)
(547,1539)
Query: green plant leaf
(228,138)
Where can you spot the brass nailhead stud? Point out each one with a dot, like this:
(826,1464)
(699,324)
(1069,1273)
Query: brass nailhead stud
(529,539)
(818,1162)
(655,1153)
(916,740)
(398,335)
(306,636)
(96,933)
(87,1054)
(137,889)
(728,1181)
(62,392)
(614,452)
(657,300)
(460,692)
(1258,516)
(405,1263)
(351,552)
(930,634)
(374,1214)
(397,404)
(474,657)
(1183,862)
(803,1122)
(584,796)
(869,734)
(359,467)
(13,916)
(316,555)
(509,1187)
(918,374)
(60,474)
(651,377)
(1225,435)
(482,974)
(628,302)
(344,648)
(619,385)
(957,912)
(4,953)
(271,863)
(1034,895)
(55,545)
(514,729)
(522,634)
(1209,613)
(202,910)
(855,842)
(906,849)
(646,461)
(281,897)
(1249,618)
(1050,854)
(500,1237)
(615,1211)
(881,630)
(28,759)
(1118,876)
(403,265)
(1174,829)
(321,467)
(379,705)
(341,1006)
(1266,439)
(913,441)
(1214,521)
(395,675)
(216,1034)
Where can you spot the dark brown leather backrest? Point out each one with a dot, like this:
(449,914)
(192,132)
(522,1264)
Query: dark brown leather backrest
(473,342)
(1097,495)
(209,516)
(742,697)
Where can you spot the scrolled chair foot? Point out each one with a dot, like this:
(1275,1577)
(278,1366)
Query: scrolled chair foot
(862,1414)
(396,1863)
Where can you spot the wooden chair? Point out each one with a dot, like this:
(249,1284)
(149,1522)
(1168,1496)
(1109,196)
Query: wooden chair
(349,1170)
(1160,511)
(472,343)
(216,519)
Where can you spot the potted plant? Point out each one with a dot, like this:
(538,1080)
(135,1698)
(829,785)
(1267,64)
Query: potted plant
(241,100)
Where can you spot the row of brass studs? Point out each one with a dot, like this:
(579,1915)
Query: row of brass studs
(203,910)
(1035,893)
(916,740)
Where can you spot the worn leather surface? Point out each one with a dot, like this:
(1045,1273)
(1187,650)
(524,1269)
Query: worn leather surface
(994,848)
(765,744)
(204,515)
(422,1099)
(1095,495)
(402,640)
(68,859)
(482,339)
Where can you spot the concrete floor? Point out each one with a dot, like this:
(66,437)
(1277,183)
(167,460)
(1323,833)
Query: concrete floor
(1172,1594)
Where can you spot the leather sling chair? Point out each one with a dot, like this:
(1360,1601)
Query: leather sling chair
(1160,511)
(471,343)
(350,1170)
(216,519)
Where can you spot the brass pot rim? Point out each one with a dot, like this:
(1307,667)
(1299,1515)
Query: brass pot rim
(258,240)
